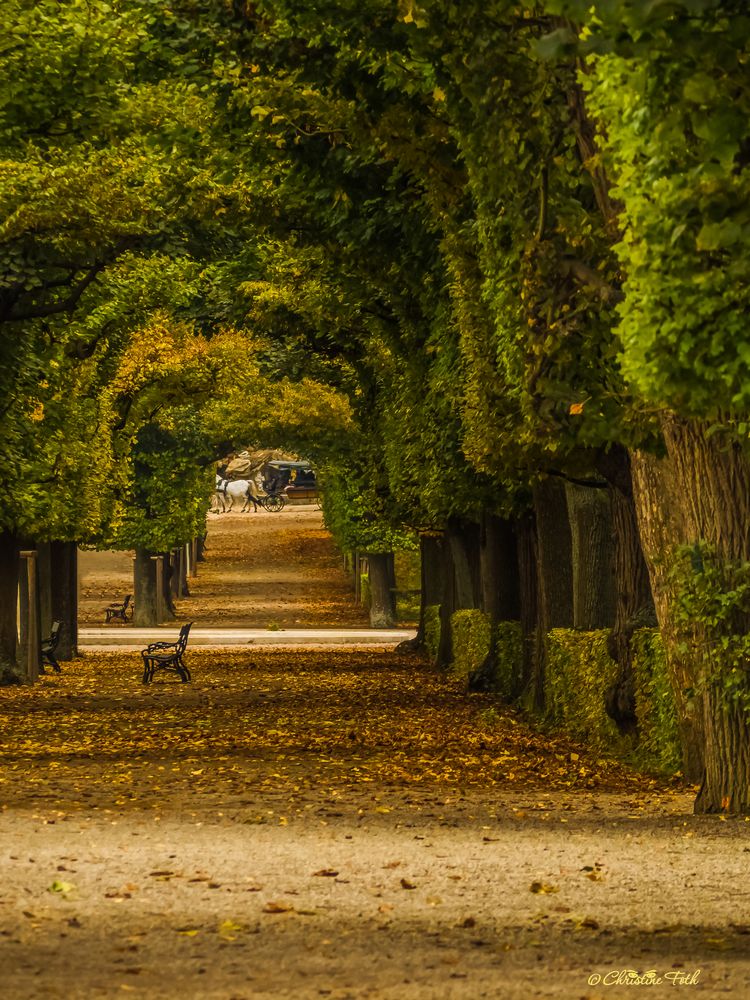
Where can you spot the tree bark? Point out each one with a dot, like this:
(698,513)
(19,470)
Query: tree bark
(64,596)
(528,578)
(634,605)
(461,582)
(9,566)
(500,593)
(699,493)
(590,516)
(144,589)
(431,567)
(382,596)
(169,574)
(554,572)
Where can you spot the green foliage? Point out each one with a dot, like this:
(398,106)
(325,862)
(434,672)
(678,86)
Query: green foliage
(672,90)
(658,736)
(578,672)
(509,655)
(432,629)
(712,614)
(471,640)
(471,645)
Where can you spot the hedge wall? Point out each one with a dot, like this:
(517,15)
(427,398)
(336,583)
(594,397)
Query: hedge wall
(578,672)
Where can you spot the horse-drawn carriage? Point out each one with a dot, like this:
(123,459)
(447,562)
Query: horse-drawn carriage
(263,480)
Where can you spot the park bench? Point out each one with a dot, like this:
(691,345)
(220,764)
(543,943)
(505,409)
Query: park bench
(119,611)
(166,656)
(48,647)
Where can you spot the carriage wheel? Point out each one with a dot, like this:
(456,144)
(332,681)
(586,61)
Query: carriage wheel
(274,503)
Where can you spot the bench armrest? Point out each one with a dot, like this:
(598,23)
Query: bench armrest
(155,646)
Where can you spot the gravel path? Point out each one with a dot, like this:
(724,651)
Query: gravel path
(341,824)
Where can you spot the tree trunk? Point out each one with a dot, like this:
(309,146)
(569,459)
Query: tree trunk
(144,589)
(500,594)
(634,605)
(183,589)
(498,561)
(9,567)
(200,548)
(431,567)
(698,494)
(382,596)
(461,582)
(528,578)
(592,551)
(554,572)
(169,574)
(64,596)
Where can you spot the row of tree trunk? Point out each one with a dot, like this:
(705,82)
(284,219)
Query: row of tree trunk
(599,555)
(39,585)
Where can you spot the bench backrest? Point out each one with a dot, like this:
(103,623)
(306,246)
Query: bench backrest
(54,634)
(183,637)
(126,602)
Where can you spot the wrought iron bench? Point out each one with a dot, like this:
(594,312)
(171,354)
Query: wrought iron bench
(166,656)
(48,647)
(119,611)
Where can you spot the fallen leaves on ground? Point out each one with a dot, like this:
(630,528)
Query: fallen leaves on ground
(261,729)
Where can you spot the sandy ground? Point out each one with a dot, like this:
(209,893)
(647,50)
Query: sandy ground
(342,825)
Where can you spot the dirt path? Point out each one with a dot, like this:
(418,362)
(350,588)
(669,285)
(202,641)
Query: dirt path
(340,825)
(261,569)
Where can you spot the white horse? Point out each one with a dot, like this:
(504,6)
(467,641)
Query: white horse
(228,490)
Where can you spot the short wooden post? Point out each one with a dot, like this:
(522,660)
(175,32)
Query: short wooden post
(33,629)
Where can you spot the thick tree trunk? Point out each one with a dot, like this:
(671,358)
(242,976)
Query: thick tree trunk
(183,589)
(698,494)
(500,584)
(528,578)
(554,572)
(64,596)
(201,547)
(461,582)
(634,606)
(500,589)
(170,576)
(382,595)
(9,673)
(592,552)
(144,589)
(431,567)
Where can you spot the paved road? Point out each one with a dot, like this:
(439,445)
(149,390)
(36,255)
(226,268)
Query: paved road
(117,637)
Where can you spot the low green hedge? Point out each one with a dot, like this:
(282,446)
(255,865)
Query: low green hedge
(471,644)
(578,672)
(509,646)
(659,741)
(471,641)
